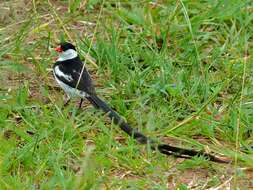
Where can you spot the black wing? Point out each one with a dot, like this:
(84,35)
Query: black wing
(73,68)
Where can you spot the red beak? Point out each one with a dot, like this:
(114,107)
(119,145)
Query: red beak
(58,49)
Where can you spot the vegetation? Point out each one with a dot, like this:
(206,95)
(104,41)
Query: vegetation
(179,71)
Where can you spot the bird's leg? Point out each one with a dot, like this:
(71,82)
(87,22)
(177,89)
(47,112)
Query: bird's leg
(80,104)
(66,101)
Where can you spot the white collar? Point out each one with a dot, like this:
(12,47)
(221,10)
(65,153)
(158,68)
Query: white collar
(66,55)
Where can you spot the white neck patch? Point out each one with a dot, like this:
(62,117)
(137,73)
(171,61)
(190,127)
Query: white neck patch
(69,54)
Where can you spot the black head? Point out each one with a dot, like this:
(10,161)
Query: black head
(64,46)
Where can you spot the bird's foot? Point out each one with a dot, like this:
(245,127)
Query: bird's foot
(67,100)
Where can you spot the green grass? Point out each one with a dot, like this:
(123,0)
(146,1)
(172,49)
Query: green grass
(179,71)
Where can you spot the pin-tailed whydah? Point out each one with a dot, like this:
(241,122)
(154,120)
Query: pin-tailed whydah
(72,76)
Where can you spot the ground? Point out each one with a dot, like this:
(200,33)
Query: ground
(179,71)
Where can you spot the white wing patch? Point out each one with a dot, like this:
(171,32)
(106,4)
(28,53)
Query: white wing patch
(70,91)
(74,71)
(59,73)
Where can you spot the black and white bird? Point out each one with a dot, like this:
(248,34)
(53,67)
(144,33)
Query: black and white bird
(72,76)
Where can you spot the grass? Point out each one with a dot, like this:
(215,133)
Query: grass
(179,71)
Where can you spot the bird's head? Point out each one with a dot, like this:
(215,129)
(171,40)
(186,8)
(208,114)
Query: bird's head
(67,51)
(64,46)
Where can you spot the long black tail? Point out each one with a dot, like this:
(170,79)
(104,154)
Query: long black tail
(163,148)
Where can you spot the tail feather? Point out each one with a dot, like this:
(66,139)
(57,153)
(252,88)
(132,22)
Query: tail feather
(92,102)
(163,148)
